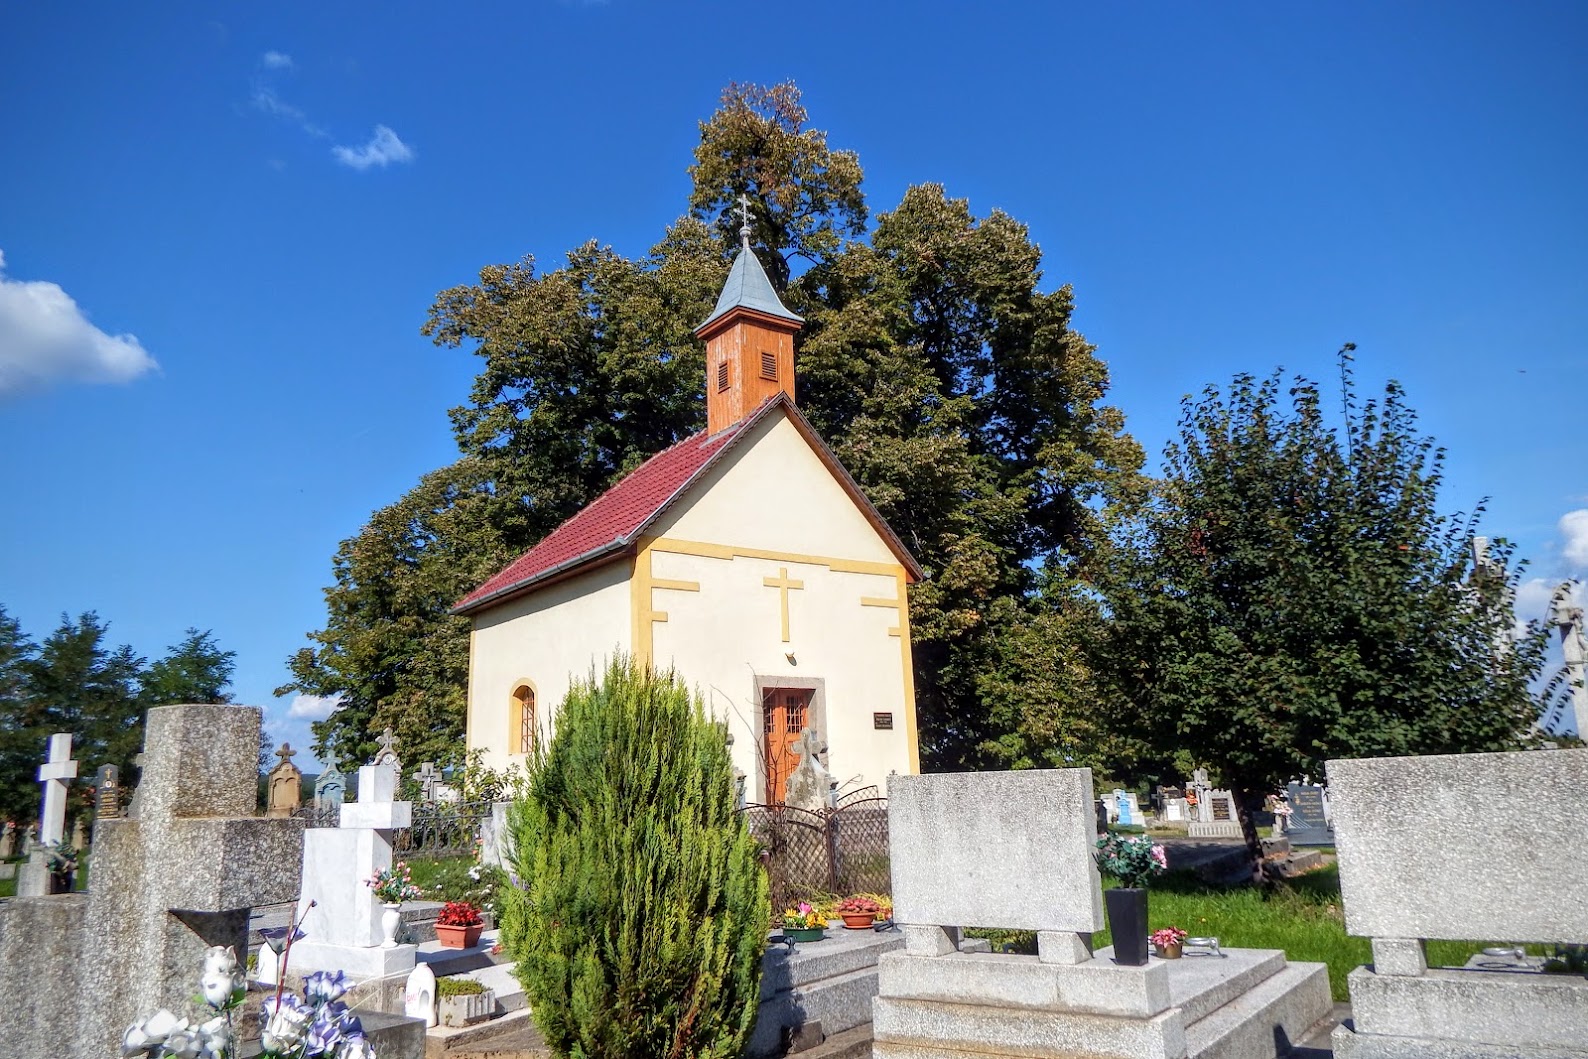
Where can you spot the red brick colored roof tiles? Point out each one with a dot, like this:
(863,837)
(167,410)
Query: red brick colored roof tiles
(609,521)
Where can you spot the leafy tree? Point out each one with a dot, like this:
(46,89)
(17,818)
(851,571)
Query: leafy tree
(641,918)
(1293,594)
(947,381)
(195,670)
(20,742)
(77,683)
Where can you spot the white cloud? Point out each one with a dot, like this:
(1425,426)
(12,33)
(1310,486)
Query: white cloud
(265,99)
(382,150)
(46,338)
(1574,532)
(275,60)
(313,707)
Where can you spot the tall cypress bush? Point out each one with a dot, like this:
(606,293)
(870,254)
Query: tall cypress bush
(640,913)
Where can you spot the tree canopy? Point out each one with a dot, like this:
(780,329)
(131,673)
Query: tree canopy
(945,377)
(74,681)
(1293,593)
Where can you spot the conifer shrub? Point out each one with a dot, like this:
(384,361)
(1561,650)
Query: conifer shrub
(639,914)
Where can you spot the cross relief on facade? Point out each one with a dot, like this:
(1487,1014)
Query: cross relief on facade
(783,585)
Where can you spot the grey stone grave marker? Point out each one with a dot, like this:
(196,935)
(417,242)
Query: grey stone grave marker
(1485,856)
(180,878)
(1309,823)
(1016,850)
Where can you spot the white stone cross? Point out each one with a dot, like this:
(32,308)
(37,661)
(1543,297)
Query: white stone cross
(54,773)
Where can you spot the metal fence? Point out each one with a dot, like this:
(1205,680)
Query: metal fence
(438,829)
(843,850)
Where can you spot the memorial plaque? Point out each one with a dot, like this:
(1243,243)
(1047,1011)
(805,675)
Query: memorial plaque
(1221,809)
(107,792)
(1308,826)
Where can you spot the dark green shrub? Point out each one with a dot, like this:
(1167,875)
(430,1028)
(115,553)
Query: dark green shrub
(640,913)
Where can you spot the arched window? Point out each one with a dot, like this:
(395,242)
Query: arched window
(521,737)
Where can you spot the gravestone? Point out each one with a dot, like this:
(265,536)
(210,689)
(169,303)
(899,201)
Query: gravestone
(1489,853)
(80,833)
(107,793)
(1216,815)
(8,839)
(284,786)
(1127,809)
(330,790)
(1309,823)
(58,769)
(429,779)
(1015,850)
(343,928)
(180,878)
(387,754)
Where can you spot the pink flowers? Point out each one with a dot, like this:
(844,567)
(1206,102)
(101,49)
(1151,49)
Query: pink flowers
(1166,937)
(1160,858)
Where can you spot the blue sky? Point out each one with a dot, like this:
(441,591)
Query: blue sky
(268,197)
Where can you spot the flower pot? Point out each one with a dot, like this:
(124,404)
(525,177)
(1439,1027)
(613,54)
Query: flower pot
(390,920)
(468,1008)
(1169,952)
(61,882)
(452,937)
(804,933)
(1127,921)
(858,920)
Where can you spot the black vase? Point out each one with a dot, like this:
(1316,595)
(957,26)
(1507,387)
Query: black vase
(1127,921)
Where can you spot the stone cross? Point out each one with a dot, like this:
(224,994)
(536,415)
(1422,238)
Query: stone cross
(1568,618)
(54,774)
(343,928)
(428,778)
(387,755)
(80,833)
(809,784)
(166,886)
(8,839)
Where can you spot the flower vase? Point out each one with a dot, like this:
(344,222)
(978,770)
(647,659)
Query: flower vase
(1127,921)
(390,920)
(1169,952)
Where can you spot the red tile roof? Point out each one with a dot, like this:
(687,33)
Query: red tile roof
(611,520)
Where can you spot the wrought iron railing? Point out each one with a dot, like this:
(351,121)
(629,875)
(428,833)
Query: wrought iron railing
(843,850)
(438,829)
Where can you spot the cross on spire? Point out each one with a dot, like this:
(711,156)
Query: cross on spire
(744,213)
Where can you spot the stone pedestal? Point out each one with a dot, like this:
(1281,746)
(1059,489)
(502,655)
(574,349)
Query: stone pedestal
(829,982)
(1250,1005)
(1465,1014)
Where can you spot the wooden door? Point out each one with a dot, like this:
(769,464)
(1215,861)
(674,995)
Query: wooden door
(783,716)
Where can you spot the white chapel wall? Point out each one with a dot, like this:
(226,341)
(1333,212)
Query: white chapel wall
(776,499)
(548,638)
(775,494)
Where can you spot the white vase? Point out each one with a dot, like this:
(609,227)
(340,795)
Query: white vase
(390,920)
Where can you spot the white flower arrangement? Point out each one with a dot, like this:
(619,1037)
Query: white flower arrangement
(316,1025)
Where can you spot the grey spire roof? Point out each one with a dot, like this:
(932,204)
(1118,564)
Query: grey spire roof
(748,286)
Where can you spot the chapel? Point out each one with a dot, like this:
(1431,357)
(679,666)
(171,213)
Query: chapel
(745,557)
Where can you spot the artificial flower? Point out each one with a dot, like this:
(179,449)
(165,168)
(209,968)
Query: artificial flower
(216,1037)
(357,1047)
(161,1025)
(184,1043)
(285,1022)
(323,986)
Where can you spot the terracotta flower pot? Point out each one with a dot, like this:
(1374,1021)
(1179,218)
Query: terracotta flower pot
(858,920)
(459,937)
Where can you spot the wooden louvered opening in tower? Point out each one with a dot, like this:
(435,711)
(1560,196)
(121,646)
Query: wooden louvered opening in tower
(722,376)
(768,366)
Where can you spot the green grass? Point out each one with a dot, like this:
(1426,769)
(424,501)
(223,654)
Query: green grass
(1303,917)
